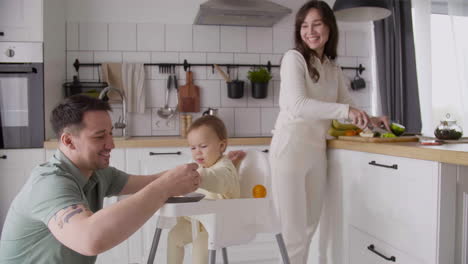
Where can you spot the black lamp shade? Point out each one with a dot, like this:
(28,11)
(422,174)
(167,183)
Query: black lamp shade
(361,10)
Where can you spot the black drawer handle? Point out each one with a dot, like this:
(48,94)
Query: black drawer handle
(3,157)
(372,248)
(2,34)
(265,150)
(394,166)
(165,153)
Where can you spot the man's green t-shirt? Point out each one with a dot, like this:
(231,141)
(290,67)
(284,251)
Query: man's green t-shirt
(51,187)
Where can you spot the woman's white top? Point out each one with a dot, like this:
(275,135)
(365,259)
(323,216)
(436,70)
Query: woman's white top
(309,105)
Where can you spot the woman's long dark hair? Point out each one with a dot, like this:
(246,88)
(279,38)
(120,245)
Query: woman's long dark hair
(328,18)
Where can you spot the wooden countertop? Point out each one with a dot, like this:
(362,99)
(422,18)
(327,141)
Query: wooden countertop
(155,142)
(447,153)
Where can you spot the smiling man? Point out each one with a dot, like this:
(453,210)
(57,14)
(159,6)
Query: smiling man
(57,217)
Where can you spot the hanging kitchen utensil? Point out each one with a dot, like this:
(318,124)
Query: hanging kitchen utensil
(235,88)
(166,112)
(189,95)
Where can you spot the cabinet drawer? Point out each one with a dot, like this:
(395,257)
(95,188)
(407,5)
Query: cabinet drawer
(395,200)
(365,249)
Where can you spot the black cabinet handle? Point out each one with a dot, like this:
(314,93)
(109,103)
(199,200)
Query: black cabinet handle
(394,166)
(265,150)
(165,153)
(2,33)
(3,157)
(372,248)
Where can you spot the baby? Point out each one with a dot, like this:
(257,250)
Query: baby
(207,138)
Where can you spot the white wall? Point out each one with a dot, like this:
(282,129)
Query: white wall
(144,31)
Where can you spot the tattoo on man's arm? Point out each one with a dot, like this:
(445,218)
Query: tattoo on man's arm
(63,216)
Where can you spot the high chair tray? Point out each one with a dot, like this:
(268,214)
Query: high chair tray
(188,198)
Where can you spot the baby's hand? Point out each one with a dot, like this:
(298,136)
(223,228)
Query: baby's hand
(236,156)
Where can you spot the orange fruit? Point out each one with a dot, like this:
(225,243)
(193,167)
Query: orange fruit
(259,191)
(350,133)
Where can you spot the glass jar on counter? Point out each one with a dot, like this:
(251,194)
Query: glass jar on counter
(448,129)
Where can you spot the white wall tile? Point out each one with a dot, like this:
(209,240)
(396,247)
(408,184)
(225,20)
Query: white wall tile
(268,117)
(72,36)
(162,57)
(164,127)
(227,115)
(137,57)
(276,92)
(357,44)
(155,93)
(228,102)
(179,38)
(263,102)
(107,56)
(122,36)
(199,72)
(93,36)
(85,73)
(247,121)
(259,40)
(139,124)
(246,58)
(210,93)
(150,37)
(283,39)
(206,38)
(233,39)
(341,49)
(361,97)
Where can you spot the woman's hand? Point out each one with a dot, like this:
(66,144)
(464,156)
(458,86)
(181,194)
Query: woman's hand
(358,117)
(378,121)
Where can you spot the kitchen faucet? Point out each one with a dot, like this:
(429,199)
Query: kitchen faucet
(121,124)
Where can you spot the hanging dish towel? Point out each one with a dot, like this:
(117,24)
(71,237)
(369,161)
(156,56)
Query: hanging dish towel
(130,78)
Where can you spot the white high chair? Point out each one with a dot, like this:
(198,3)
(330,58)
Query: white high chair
(232,221)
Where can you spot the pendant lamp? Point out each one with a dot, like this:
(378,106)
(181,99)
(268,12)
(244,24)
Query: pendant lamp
(361,10)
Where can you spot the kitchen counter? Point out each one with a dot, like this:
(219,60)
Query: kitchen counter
(447,153)
(155,142)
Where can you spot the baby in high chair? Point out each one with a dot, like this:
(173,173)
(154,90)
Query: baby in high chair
(207,138)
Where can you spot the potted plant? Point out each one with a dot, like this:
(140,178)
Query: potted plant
(259,79)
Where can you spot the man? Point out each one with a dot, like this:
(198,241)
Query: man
(57,217)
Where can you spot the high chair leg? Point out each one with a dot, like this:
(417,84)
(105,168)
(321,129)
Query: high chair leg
(154,245)
(225,256)
(282,248)
(212,256)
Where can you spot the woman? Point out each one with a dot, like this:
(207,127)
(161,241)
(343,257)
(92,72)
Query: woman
(313,91)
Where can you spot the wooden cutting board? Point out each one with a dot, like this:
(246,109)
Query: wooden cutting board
(189,95)
(380,140)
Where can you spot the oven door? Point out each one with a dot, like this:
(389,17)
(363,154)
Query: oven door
(21,105)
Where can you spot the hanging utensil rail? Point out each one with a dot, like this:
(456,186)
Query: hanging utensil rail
(187,65)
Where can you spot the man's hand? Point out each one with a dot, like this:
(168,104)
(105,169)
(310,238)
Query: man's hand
(236,156)
(182,179)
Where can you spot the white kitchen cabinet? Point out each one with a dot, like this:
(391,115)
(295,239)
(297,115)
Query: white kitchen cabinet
(15,168)
(406,205)
(461,250)
(21,20)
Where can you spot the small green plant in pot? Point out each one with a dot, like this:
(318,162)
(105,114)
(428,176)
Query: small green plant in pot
(259,79)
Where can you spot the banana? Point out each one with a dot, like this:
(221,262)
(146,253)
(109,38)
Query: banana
(340,126)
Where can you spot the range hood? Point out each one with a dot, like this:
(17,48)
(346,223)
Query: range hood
(254,13)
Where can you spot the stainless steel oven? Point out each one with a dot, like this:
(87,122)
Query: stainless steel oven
(21,95)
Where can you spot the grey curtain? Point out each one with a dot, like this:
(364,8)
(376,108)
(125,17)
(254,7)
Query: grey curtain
(396,66)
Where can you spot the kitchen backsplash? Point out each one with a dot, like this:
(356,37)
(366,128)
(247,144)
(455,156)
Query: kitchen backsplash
(170,43)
